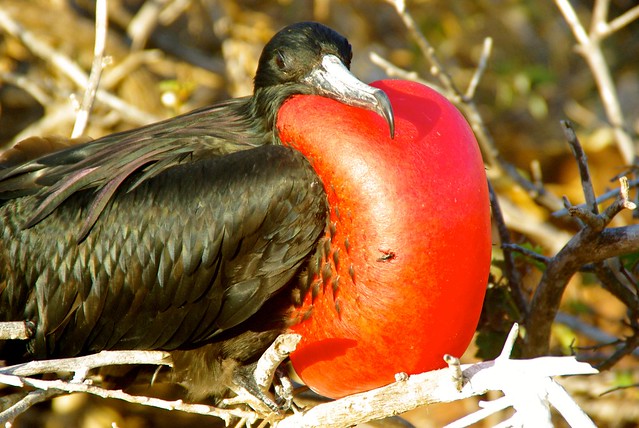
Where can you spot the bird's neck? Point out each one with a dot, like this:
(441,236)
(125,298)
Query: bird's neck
(266,102)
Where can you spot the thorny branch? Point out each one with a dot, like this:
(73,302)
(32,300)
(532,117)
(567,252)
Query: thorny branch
(592,244)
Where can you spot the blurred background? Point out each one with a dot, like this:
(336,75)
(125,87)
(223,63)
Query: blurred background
(170,56)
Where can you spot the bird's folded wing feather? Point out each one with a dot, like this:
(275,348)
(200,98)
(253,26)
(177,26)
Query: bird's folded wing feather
(191,251)
(104,164)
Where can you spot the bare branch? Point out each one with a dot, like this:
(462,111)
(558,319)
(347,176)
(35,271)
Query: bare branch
(437,68)
(514,279)
(579,326)
(599,14)
(586,246)
(71,69)
(71,387)
(614,193)
(527,252)
(101,359)
(590,48)
(273,357)
(509,344)
(629,346)
(618,23)
(14,330)
(481,68)
(101,26)
(582,164)
(393,71)
(407,393)
(524,382)
(30,399)
(143,23)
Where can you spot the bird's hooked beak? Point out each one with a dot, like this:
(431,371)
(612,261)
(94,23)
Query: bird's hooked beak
(336,81)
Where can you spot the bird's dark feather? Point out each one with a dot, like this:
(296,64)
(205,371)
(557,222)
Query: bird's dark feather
(105,163)
(186,255)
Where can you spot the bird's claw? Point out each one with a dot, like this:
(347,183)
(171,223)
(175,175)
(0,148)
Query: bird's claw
(249,392)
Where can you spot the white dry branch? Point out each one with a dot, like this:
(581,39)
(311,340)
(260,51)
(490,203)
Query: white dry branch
(14,330)
(527,385)
(19,376)
(101,26)
(69,68)
(264,373)
(88,362)
(589,46)
(279,351)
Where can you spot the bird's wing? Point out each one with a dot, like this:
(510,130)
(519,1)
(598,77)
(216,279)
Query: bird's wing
(184,256)
(105,164)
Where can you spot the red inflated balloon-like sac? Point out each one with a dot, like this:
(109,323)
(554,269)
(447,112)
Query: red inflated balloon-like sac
(410,238)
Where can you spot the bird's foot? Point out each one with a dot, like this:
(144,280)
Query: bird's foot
(277,399)
(253,382)
(248,391)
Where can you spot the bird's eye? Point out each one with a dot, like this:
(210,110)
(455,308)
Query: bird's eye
(280,61)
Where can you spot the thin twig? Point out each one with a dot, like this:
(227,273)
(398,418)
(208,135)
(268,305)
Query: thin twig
(437,68)
(613,193)
(101,28)
(526,252)
(629,346)
(101,359)
(394,71)
(514,279)
(599,14)
(480,70)
(71,387)
(591,332)
(273,357)
(143,23)
(582,164)
(509,344)
(589,47)
(71,69)
(29,400)
(14,330)
(618,23)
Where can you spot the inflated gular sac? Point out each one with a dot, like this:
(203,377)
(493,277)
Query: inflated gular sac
(410,238)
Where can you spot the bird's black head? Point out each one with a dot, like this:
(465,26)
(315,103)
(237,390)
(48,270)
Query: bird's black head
(311,59)
(296,50)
